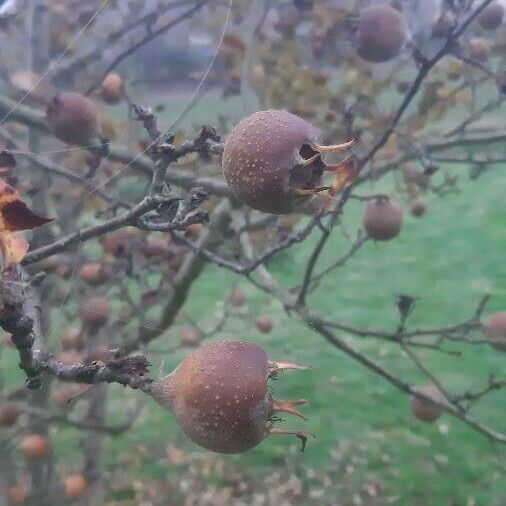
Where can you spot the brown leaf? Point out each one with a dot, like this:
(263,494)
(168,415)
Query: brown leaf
(13,248)
(345,174)
(15,214)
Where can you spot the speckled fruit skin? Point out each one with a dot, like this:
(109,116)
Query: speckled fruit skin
(426,410)
(382,219)
(73,118)
(381,33)
(492,16)
(219,395)
(495,330)
(259,156)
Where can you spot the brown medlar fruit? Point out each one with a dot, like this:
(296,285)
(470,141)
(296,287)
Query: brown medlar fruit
(220,396)
(73,118)
(494,328)
(381,33)
(492,16)
(425,410)
(272,162)
(382,218)
(35,446)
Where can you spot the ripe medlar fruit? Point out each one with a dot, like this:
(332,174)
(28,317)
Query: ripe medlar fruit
(381,33)
(190,336)
(220,396)
(94,273)
(72,338)
(16,494)
(75,485)
(264,323)
(495,330)
(492,16)
(96,311)
(9,414)
(418,208)
(425,410)
(237,297)
(382,218)
(73,118)
(272,162)
(111,90)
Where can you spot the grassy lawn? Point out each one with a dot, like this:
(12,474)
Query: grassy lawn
(364,428)
(449,258)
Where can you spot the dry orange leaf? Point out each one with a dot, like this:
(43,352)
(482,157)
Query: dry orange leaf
(13,248)
(14,215)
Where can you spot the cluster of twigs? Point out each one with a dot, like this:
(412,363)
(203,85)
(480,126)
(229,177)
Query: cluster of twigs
(172,204)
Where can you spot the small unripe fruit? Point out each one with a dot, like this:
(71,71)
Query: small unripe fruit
(190,336)
(220,396)
(111,90)
(381,33)
(237,297)
(418,208)
(260,158)
(495,330)
(72,338)
(264,323)
(96,311)
(94,273)
(9,414)
(75,486)
(35,446)
(382,219)
(73,118)
(425,410)
(492,16)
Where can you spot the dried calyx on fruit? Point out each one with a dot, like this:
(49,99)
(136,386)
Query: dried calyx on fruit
(273,162)
(220,396)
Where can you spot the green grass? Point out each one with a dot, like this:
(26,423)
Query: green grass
(449,259)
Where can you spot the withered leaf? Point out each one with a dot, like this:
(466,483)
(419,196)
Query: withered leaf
(14,213)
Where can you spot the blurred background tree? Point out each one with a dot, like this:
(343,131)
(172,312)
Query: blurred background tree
(113,118)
